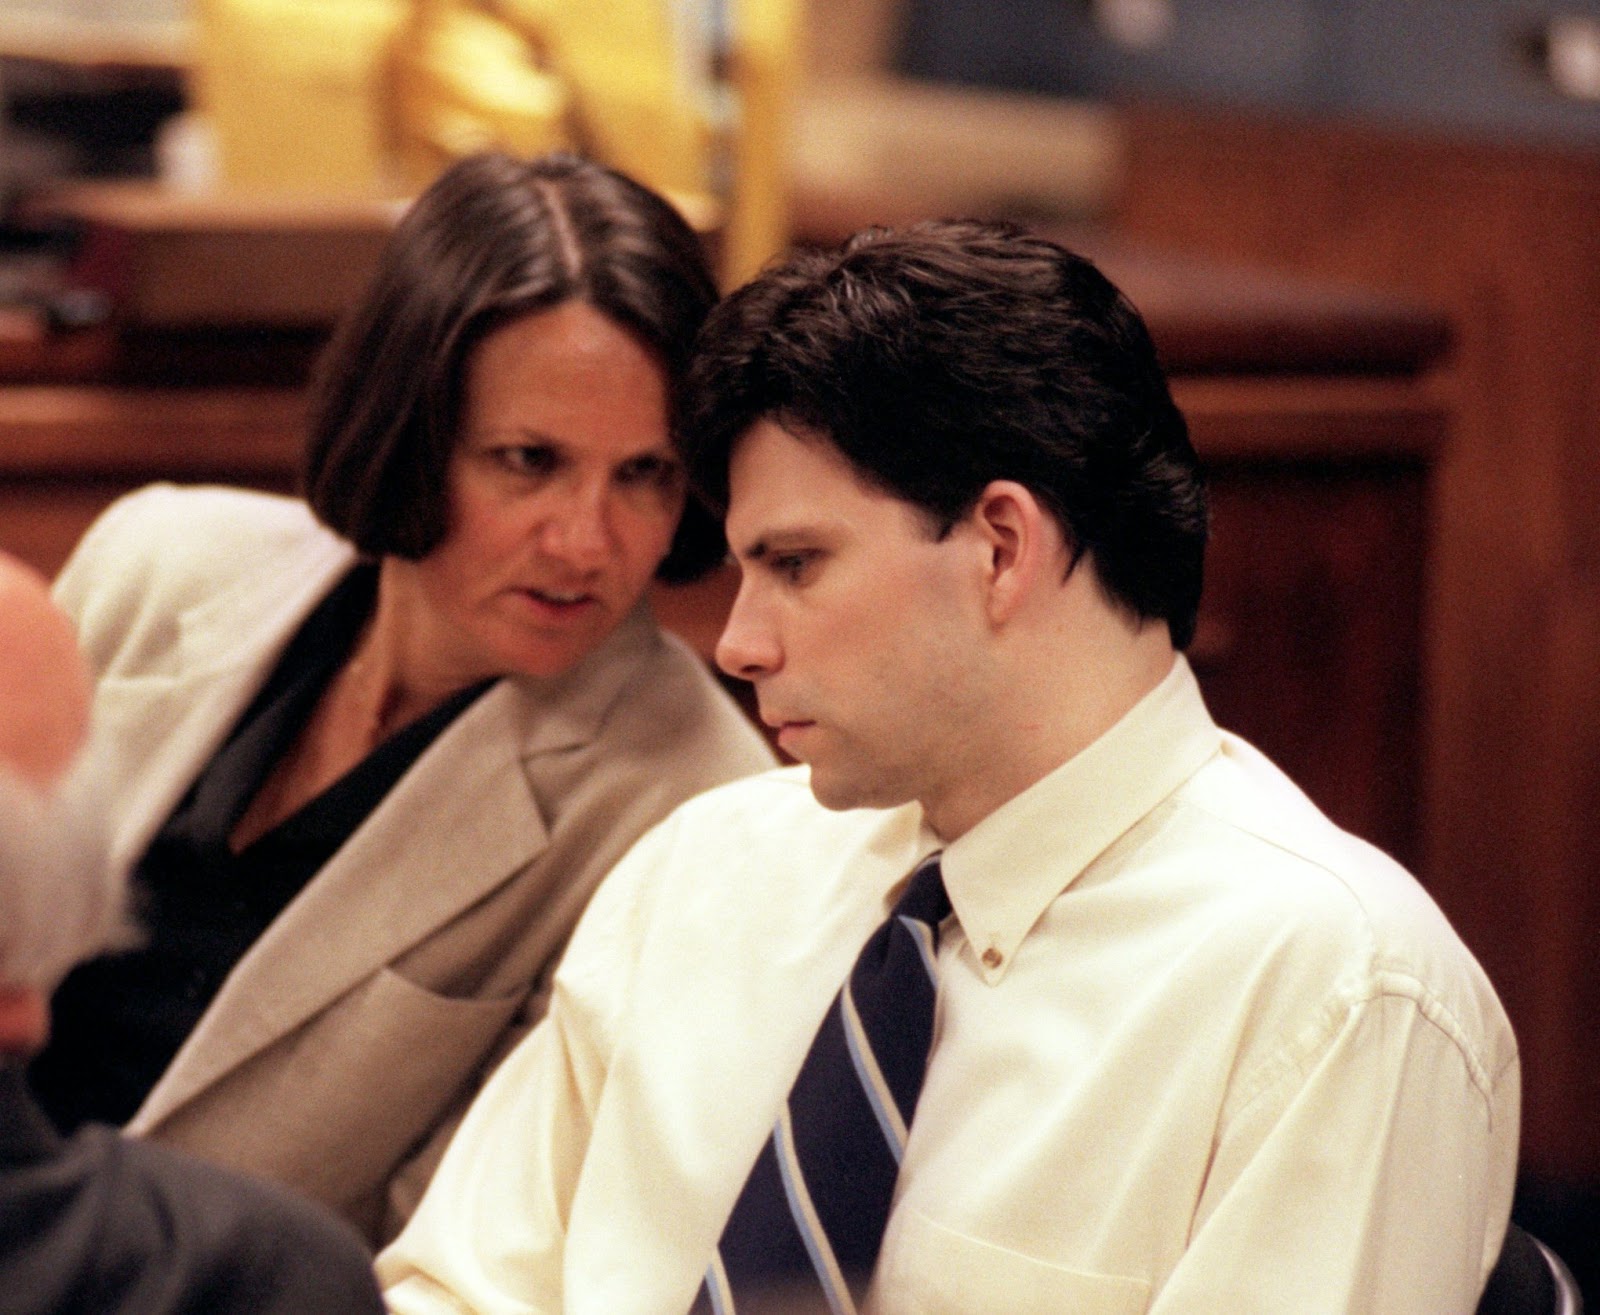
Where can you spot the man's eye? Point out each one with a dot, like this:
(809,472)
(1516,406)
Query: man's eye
(791,566)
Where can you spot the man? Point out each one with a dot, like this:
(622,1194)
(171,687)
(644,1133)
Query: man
(1194,1049)
(98,1225)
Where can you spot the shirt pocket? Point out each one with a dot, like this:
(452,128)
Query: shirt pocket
(934,1270)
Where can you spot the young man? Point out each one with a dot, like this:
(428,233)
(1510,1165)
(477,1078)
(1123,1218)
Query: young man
(1192,1048)
(95,1224)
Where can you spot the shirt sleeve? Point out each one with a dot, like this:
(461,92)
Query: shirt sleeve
(1369,1172)
(489,1235)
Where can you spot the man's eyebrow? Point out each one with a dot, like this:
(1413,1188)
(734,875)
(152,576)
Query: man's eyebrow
(777,540)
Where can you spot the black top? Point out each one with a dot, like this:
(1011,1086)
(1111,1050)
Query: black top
(117,1021)
(105,1225)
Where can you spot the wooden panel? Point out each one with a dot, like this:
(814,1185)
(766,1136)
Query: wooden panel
(1314,419)
(1309,638)
(169,258)
(1206,316)
(1506,239)
(40,521)
(1209,317)
(176,260)
(66,452)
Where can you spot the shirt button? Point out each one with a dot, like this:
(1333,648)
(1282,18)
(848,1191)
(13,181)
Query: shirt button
(992,958)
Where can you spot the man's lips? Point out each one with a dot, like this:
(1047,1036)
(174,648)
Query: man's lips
(787,729)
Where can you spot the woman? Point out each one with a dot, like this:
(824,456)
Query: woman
(373,754)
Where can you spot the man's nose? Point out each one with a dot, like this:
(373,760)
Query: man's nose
(748,648)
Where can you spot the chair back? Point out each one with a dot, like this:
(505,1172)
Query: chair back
(1529,1279)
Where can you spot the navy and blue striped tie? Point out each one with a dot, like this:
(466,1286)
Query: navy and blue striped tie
(813,1211)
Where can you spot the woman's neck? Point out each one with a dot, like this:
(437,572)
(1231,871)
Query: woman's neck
(391,677)
(401,667)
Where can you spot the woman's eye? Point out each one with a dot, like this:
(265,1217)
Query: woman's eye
(649,472)
(527,459)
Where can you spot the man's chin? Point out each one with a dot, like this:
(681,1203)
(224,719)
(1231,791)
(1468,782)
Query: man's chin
(839,792)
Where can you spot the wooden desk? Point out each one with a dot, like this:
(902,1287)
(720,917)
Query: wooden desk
(172,260)
(1310,405)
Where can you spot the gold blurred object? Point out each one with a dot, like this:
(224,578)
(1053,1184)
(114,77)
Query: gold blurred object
(763,61)
(295,92)
(465,81)
(641,81)
(375,97)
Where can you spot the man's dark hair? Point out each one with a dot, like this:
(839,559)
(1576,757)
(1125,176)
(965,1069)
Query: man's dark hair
(953,353)
(493,239)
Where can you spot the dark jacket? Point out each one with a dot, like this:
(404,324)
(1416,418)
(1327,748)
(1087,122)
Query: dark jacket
(104,1225)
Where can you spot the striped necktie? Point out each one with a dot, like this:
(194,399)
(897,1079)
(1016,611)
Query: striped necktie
(812,1213)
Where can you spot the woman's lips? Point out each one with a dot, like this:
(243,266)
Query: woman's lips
(559,602)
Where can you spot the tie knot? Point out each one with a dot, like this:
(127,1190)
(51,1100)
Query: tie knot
(924,897)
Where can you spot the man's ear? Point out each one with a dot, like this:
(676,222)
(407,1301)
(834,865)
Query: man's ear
(1021,541)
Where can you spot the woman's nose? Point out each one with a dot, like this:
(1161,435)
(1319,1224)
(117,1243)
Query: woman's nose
(577,529)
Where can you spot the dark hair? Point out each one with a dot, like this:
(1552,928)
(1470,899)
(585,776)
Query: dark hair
(493,239)
(953,353)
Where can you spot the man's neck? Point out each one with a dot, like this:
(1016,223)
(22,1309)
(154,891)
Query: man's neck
(1046,720)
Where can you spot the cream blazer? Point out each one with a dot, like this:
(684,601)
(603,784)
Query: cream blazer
(344,1046)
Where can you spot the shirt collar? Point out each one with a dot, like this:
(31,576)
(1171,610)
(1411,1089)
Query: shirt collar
(1005,872)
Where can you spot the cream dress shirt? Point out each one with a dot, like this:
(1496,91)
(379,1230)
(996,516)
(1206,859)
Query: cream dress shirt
(1197,1050)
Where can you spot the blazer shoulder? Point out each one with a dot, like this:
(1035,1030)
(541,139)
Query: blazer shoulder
(164,548)
(650,731)
(164,529)
(676,706)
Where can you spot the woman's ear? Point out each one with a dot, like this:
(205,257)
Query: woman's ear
(1024,546)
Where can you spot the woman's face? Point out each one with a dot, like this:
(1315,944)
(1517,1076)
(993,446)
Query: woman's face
(564,496)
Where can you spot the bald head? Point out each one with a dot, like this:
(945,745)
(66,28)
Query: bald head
(60,898)
(44,685)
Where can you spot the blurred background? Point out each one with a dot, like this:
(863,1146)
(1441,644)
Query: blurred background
(1366,236)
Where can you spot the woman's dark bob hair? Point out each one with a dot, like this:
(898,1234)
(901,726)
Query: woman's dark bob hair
(493,239)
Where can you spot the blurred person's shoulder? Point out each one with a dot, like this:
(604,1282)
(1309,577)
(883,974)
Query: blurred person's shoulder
(161,1231)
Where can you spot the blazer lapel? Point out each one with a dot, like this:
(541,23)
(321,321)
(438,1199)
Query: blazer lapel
(162,727)
(461,822)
